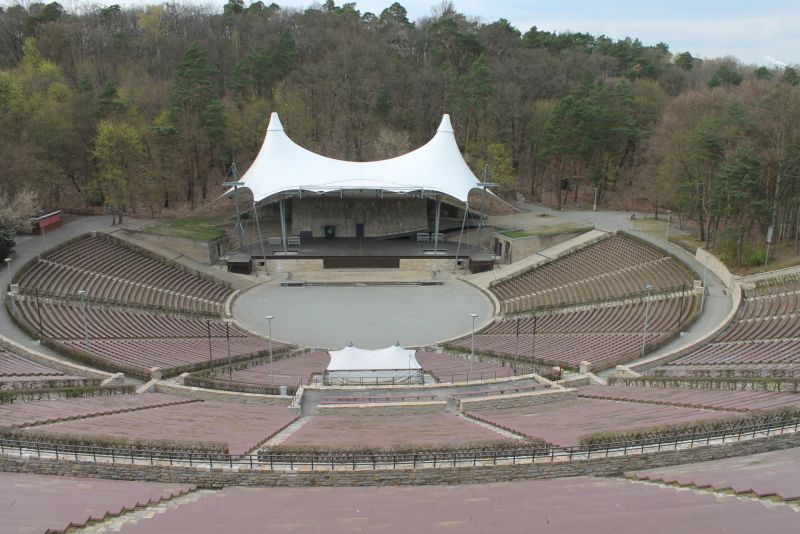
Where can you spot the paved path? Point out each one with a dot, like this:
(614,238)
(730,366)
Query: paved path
(718,301)
(373,316)
(31,246)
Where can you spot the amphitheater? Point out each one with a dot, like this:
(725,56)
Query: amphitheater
(612,383)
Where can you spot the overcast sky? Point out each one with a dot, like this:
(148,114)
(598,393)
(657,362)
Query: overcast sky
(762,32)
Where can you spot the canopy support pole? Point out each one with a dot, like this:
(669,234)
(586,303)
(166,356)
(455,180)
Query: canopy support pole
(436,225)
(283,223)
(480,220)
(260,238)
(239,228)
(460,235)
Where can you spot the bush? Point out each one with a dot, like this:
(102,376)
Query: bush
(31,395)
(301,452)
(113,442)
(757,257)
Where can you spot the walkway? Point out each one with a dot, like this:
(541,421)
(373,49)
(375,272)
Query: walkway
(31,246)
(717,303)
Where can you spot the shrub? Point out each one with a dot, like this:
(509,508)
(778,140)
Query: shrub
(114,442)
(757,257)
(722,424)
(301,452)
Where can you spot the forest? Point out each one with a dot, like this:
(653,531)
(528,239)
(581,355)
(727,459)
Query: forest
(144,110)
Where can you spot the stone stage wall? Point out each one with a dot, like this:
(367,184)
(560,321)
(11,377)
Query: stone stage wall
(380,216)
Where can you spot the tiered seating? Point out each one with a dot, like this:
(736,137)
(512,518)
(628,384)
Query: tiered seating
(609,269)
(293,371)
(135,341)
(604,336)
(388,431)
(35,413)
(113,273)
(776,475)
(41,503)
(447,368)
(240,426)
(575,505)
(18,372)
(765,334)
(714,399)
(563,423)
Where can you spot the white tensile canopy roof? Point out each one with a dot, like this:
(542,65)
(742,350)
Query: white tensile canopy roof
(355,359)
(283,166)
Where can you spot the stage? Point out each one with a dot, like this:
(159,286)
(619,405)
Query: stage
(314,254)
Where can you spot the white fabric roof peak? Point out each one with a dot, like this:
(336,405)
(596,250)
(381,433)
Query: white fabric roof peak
(274,123)
(283,166)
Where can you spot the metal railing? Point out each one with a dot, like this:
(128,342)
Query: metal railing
(357,461)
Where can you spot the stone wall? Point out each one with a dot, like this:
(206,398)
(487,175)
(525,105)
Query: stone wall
(496,402)
(380,217)
(55,363)
(516,249)
(294,265)
(429,264)
(216,394)
(383,408)
(218,477)
(205,252)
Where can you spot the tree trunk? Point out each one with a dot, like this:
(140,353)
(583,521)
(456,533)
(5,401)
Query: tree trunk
(700,217)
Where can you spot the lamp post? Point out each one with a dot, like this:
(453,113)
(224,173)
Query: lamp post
(666,239)
(41,231)
(472,348)
(271,376)
(649,288)
(210,348)
(705,287)
(594,206)
(82,294)
(228,340)
(8,273)
(13,296)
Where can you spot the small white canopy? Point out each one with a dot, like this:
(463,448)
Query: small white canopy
(355,359)
(282,166)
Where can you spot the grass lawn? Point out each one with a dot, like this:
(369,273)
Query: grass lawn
(199,229)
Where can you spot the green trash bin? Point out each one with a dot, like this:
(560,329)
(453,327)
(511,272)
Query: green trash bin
(330,231)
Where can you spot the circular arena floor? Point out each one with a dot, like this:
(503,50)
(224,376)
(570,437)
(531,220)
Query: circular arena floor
(369,316)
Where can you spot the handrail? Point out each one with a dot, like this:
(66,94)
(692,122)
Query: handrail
(296,461)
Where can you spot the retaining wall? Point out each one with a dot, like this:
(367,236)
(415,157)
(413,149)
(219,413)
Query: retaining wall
(205,252)
(383,408)
(55,363)
(218,477)
(216,394)
(513,400)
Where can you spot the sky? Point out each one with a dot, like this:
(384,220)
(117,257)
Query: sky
(765,32)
